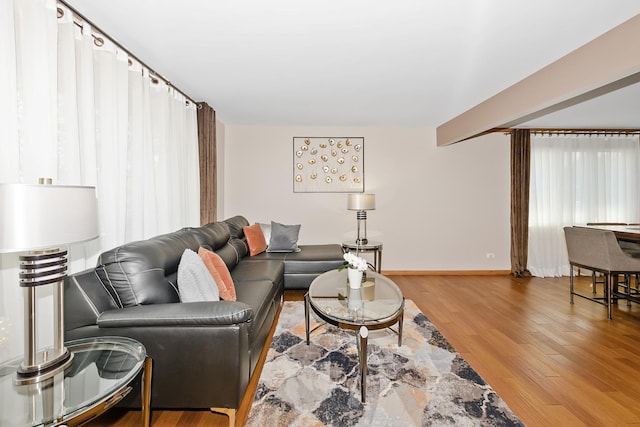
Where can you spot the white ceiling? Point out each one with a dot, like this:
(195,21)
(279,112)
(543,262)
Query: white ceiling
(361,62)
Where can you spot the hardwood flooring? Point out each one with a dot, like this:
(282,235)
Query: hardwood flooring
(555,364)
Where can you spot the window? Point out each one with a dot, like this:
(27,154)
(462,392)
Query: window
(575,179)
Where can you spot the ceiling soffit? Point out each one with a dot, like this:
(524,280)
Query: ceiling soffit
(606,64)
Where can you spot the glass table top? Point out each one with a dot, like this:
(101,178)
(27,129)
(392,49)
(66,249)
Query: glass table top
(378,300)
(363,246)
(101,366)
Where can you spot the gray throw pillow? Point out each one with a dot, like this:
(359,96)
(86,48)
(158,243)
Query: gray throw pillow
(284,238)
(195,283)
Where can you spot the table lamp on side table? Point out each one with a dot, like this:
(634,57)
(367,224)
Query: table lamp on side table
(41,220)
(361,203)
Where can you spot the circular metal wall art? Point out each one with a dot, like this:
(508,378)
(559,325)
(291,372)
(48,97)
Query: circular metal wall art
(328,159)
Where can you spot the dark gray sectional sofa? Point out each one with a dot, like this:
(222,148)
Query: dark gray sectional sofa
(204,353)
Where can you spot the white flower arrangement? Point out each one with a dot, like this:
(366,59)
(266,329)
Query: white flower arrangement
(353,261)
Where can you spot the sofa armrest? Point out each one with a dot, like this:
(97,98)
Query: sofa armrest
(218,313)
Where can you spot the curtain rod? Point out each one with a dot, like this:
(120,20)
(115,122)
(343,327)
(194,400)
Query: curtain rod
(585,132)
(573,131)
(99,41)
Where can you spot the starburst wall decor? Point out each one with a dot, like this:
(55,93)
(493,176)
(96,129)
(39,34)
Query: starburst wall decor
(331,165)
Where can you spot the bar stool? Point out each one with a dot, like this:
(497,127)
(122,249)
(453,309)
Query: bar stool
(594,275)
(632,249)
(599,251)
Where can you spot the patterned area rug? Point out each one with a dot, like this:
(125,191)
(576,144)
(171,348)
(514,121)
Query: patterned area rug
(422,383)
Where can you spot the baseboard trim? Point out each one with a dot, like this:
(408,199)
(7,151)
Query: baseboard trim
(446,272)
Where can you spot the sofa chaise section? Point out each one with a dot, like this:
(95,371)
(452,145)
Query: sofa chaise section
(301,267)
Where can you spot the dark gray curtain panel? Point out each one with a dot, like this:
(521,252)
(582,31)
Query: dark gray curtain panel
(520,173)
(208,166)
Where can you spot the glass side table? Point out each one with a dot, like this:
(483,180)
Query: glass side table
(98,378)
(370,246)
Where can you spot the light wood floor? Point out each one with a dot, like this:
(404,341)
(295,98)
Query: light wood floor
(555,364)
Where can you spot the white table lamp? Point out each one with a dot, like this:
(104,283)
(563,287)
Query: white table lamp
(361,203)
(42,220)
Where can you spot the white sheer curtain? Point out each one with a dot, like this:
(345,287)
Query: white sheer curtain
(85,113)
(577,179)
(28,146)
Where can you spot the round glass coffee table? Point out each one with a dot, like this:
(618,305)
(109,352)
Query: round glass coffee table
(98,378)
(378,304)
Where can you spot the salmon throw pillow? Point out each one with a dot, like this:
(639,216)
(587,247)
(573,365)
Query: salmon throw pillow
(255,239)
(220,273)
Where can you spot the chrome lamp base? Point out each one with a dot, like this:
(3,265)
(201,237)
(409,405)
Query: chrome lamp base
(38,268)
(362,226)
(47,369)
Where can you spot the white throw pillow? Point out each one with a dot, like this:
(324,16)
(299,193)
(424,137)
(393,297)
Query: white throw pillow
(266,230)
(195,283)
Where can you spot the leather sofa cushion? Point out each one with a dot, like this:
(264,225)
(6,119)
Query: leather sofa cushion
(85,296)
(217,237)
(145,272)
(240,248)
(248,271)
(310,258)
(211,236)
(235,224)
(260,295)
(192,314)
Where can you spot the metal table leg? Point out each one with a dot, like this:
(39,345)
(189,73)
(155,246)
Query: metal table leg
(306,316)
(362,347)
(400,324)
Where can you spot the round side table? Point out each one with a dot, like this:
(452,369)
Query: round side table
(370,246)
(97,379)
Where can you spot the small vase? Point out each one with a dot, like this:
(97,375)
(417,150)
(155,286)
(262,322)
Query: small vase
(355,278)
(354,298)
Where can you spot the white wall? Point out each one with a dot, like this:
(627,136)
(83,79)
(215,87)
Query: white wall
(437,208)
